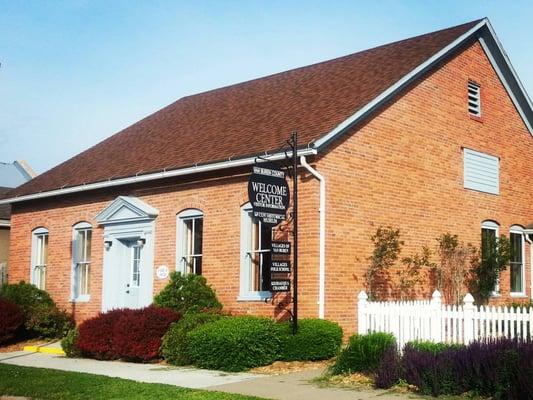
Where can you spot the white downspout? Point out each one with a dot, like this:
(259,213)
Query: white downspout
(528,239)
(322,236)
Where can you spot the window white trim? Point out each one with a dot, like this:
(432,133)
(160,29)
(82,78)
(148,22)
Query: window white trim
(488,224)
(517,229)
(491,225)
(75,297)
(38,246)
(181,235)
(245,294)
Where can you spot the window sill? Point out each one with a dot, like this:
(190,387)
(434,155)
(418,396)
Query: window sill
(255,296)
(495,295)
(517,295)
(475,118)
(81,299)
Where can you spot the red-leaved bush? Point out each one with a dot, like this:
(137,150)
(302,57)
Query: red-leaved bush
(11,319)
(132,335)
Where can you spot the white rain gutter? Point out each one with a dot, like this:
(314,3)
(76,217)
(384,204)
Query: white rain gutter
(157,175)
(528,232)
(322,236)
(5,223)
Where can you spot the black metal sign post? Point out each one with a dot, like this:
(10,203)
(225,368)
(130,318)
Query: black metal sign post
(294,145)
(269,196)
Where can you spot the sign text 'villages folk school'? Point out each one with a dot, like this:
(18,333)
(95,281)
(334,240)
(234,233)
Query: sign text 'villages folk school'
(280,267)
(268,193)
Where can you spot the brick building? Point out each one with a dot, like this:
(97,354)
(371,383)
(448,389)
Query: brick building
(431,134)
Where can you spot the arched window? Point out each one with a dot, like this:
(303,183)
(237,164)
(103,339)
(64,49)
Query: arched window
(39,257)
(81,261)
(190,227)
(517,268)
(489,236)
(255,256)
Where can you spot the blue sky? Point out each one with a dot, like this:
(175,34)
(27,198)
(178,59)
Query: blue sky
(75,72)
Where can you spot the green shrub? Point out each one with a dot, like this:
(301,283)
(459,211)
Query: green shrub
(363,353)
(174,345)
(432,347)
(234,344)
(187,293)
(49,322)
(41,315)
(68,344)
(27,296)
(316,339)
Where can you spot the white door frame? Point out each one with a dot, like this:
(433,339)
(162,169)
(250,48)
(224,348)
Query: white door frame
(126,219)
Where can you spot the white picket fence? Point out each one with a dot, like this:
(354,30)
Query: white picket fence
(3,273)
(434,321)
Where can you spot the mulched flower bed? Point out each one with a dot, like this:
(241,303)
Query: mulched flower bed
(287,367)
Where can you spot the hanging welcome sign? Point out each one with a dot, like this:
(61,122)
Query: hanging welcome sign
(268,193)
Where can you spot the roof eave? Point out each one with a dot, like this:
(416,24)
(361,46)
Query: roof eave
(155,176)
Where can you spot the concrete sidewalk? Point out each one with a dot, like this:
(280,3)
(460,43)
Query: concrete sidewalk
(297,386)
(150,373)
(293,386)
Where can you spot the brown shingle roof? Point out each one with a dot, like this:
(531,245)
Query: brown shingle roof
(248,118)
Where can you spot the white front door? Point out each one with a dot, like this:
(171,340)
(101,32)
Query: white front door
(132,277)
(128,265)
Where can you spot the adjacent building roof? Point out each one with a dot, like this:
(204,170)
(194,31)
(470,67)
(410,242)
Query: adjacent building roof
(15,174)
(12,175)
(220,127)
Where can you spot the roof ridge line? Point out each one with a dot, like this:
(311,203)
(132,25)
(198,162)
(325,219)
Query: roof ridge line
(331,60)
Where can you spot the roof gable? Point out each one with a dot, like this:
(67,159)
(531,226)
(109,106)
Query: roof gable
(228,126)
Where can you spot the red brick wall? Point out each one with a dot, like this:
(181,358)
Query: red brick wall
(403,168)
(220,200)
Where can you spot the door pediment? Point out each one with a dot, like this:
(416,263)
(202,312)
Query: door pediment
(126,209)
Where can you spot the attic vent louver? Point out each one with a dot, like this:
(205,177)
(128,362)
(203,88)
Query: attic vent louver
(474,100)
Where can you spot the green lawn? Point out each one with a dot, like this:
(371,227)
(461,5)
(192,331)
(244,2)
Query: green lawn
(39,383)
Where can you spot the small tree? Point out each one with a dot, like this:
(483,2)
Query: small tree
(387,247)
(410,277)
(488,264)
(452,270)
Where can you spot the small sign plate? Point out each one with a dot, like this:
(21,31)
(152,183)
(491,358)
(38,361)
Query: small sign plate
(280,267)
(280,285)
(281,248)
(162,272)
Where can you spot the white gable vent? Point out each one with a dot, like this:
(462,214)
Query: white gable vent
(481,172)
(474,100)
